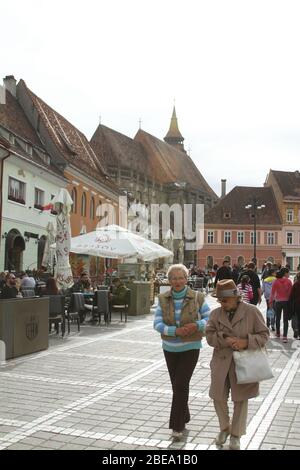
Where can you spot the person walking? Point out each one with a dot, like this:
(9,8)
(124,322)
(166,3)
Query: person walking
(224,272)
(295,302)
(180,318)
(254,281)
(280,293)
(245,289)
(266,289)
(233,326)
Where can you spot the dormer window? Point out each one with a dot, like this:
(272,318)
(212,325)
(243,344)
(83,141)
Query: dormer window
(227,215)
(28,149)
(290,215)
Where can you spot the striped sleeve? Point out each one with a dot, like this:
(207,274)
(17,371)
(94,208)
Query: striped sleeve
(160,326)
(204,312)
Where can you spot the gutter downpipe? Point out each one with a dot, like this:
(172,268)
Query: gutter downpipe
(1,188)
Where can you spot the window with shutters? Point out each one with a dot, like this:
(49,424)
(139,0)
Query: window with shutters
(240,238)
(227,237)
(210,237)
(271,238)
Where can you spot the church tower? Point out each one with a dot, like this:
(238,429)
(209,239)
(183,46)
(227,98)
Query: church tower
(174,136)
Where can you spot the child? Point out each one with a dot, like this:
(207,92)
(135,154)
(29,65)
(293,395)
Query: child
(245,289)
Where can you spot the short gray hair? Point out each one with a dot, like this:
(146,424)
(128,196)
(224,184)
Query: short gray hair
(177,267)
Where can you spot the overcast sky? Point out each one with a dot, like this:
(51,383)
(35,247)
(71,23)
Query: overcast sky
(232,66)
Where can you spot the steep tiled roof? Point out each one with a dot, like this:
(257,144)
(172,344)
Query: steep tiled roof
(167,164)
(13,118)
(70,142)
(118,149)
(289,183)
(233,204)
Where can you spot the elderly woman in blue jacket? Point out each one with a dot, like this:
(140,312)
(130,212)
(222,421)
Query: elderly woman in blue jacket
(180,319)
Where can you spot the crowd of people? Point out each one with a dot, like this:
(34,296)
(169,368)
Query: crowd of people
(183,317)
(16,286)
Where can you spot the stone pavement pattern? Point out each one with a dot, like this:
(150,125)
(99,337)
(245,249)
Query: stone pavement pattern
(108,388)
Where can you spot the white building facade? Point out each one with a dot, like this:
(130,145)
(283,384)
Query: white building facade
(26,187)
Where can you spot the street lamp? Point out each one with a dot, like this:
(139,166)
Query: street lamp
(255,205)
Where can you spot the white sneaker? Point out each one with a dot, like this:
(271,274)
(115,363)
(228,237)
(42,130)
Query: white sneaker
(234,443)
(177,436)
(222,437)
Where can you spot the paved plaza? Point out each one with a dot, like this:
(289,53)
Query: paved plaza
(108,388)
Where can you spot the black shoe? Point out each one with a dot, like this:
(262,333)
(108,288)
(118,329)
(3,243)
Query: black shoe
(273,328)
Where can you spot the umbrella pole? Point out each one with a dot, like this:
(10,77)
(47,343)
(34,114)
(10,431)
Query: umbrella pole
(97,271)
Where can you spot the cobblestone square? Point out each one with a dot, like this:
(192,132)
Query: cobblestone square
(108,388)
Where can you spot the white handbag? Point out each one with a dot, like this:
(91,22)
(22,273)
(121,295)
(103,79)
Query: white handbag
(252,365)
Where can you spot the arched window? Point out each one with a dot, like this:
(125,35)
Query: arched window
(74,199)
(14,247)
(92,208)
(83,205)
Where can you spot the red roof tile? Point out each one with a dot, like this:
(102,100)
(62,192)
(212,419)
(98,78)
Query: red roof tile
(289,183)
(13,118)
(168,164)
(118,149)
(234,204)
(70,142)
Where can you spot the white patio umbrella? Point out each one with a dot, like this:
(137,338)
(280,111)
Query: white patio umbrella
(48,254)
(169,245)
(63,203)
(117,242)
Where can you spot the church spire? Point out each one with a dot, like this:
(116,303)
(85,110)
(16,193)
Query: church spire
(174,136)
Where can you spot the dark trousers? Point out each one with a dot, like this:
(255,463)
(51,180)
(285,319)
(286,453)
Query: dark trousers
(181,366)
(279,306)
(296,321)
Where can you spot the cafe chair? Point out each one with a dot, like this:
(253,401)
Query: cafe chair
(122,308)
(57,313)
(75,309)
(198,284)
(27,292)
(101,306)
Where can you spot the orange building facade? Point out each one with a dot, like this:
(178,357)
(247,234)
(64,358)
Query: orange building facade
(230,228)
(239,246)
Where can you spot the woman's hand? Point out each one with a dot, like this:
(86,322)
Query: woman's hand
(239,344)
(230,340)
(187,330)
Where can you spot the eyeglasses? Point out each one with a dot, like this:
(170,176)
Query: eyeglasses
(178,279)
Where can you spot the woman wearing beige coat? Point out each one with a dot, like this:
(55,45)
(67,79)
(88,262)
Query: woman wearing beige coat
(235,325)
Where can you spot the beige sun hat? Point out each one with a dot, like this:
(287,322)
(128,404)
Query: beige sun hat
(226,288)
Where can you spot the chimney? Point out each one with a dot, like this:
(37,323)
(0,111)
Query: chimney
(10,84)
(223,186)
